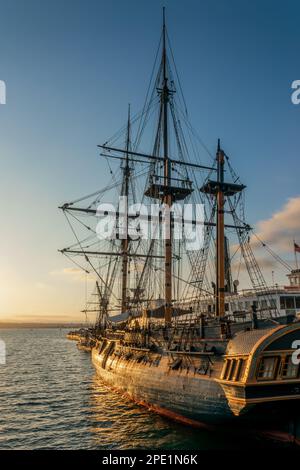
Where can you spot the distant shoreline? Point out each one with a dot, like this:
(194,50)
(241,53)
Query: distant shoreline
(18,325)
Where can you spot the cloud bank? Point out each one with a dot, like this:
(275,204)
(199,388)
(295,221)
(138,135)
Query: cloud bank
(282,228)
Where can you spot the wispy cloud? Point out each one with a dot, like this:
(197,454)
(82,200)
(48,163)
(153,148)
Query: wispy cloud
(264,264)
(280,229)
(278,232)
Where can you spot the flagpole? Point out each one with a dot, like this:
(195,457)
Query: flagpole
(295,252)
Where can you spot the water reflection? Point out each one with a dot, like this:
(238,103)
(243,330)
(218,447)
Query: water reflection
(118,423)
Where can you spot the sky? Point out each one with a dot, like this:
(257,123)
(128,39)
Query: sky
(71,68)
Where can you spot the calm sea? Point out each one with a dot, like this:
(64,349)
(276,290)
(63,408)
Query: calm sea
(51,399)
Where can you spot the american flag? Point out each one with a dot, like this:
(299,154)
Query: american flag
(296,248)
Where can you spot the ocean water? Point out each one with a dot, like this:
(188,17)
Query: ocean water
(52,399)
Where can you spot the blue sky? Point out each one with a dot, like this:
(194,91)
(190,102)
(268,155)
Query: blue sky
(70,69)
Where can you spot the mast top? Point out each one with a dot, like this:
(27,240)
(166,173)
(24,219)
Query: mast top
(164,51)
(164,25)
(128,120)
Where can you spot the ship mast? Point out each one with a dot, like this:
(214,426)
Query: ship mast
(162,186)
(125,241)
(220,261)
(167,179)
(222,191)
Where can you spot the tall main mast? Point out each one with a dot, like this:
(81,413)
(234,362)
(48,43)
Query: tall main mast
(167,183)
(125,241)
(220,261)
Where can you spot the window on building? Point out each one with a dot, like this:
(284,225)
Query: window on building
(297,301)
(266,370)
(290,302)
(289,370)
(287,303)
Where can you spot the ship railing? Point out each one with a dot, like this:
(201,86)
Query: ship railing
(262,314)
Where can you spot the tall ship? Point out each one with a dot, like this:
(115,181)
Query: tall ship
(169,246)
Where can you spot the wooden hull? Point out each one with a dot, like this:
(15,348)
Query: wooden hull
(192,399)
(181,395)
